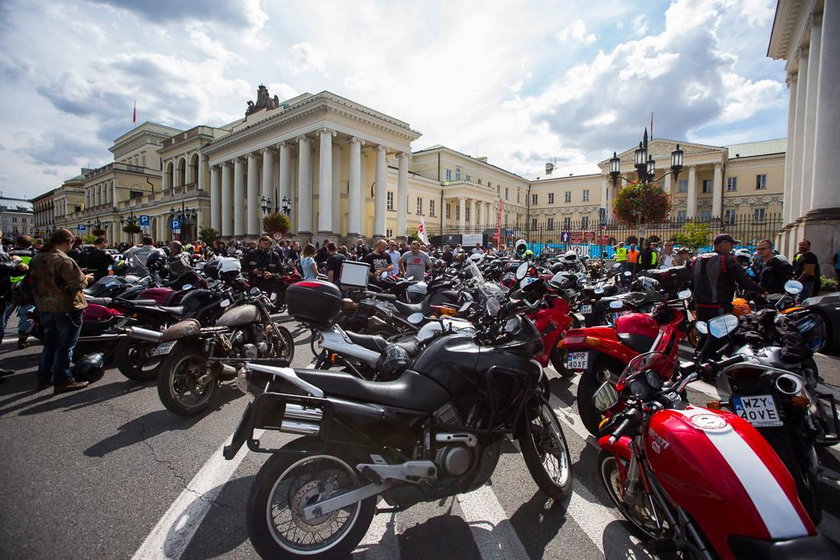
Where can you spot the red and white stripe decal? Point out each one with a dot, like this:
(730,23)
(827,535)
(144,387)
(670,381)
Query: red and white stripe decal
(774,506)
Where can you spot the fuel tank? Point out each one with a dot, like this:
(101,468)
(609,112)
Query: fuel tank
(718,468)
(239,316)
(162,296)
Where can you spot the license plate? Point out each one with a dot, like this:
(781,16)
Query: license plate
(163,348)
(578,360)
(758,410)
(586,309)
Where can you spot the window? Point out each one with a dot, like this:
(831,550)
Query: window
(707,186)
(448,174)
(457,211)
(479,182)
(432,208)
(551,198)
(518,192)
(448,211)
(507,193)
(549,224)
(584,222)
(586,195)
(457,174)
(419,205)
(467,213)
(389,200)
(567,196)
(534,199)
(729,215)
(467,178)
(533,223)
(78,209)
(758,213)
(389,233)
(682,185)
(567,224)
(761,182)
(732,184)
(681,215)
(705,215)
(135,194)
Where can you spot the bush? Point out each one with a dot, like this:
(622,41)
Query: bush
(208,235)
(694,235)
(828,284)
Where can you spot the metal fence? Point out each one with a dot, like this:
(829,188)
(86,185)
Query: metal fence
(594,238)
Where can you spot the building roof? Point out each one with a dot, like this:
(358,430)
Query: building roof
(762,148)
(8,204)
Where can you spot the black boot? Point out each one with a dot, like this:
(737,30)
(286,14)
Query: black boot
(22,341)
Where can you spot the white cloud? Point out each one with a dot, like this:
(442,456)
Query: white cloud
(640,25)
(576,33)
(304,56)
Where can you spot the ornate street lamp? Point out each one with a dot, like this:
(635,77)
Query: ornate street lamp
(645,164)
(129,224)
(286,205)
(267,205)
(186,216)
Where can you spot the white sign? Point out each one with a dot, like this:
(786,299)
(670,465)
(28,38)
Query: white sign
(470,239)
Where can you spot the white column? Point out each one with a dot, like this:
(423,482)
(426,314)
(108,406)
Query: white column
(381,189)
(215,198)
(226,213)
(239,197)
(798,162)
(113,194)
(285,172)
(827,135)
(253,196)
(304,202)
(691,210)
(462,208)
(473,216)
(489,216)
(717,192)
(605,191)
(791,148)
(811,116)
(355,199)
(336,190)
(325,177)
(202,162)
(402,195)
(267,177)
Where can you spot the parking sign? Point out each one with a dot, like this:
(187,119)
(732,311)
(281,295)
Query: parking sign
(176,224)
(144,220)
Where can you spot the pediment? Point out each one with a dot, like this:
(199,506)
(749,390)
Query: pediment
(661,148)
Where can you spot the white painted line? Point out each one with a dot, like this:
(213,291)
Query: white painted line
(381,541)
(592,516)
(571,418)
(491,529)
(175,530)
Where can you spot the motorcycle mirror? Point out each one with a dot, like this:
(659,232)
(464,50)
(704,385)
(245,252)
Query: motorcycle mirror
(723,325)
(493,307)
(465,307)
(684,294)
(598,290)
(254,291)
(187,287)
(702,327)
(415,318)
(628,274)
(616,304)
(521,271)
(605,396)
(793,287)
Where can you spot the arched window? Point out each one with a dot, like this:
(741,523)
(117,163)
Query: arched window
(194,170)
(182,172)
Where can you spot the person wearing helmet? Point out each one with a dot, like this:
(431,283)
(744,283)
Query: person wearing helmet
(572,262)
(137,257)
(529,254)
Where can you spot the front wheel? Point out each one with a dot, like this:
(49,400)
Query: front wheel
(558,361)
(285,345)
(287,483)
(546,453)
(589,383)
(184,386)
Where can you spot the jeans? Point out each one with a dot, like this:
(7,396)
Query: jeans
(61,332)
(24,323)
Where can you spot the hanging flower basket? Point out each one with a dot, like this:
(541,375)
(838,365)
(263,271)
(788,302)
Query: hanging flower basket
(276,223)
(98,232)
(132,228)
(641,203)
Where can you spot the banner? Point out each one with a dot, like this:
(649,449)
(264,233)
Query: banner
(421,231)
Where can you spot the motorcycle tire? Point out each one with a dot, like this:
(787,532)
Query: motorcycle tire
(543,440)
(287,344)
(135,361)
(558,362)
(589,383)
(176,382)
(278,484)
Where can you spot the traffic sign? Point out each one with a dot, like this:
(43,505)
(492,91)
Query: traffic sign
(176,224)
(82,227)
(565,237)
(144,220)
(508,233)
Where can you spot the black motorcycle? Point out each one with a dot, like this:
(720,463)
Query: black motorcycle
(435,431)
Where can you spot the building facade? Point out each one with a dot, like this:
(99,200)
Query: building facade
(16,217)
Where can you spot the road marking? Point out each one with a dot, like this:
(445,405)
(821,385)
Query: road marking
(491,529)
(173,533)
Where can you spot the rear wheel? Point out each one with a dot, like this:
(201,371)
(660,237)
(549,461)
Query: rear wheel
(546,453)
(135,361)
(558,362)
(184,386)
(589,383)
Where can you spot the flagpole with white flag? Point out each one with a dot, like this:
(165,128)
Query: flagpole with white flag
(421,231)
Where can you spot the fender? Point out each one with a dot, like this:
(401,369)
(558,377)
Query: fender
(621,448)
(610,347)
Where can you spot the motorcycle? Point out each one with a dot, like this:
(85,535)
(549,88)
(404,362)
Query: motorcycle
(433,432)
(197,359)
(697,482)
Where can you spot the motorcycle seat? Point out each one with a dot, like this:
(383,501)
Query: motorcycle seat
(175,310)
(408,308)
(105,301)
(370,341)
(410,390)
(638,342)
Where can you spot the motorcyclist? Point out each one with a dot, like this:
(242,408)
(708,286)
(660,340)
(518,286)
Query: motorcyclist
(179,261)
(136,257)
(774,271)
(263,265)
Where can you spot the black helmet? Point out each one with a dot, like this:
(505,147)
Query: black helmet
(91,368)
(563,281)
(645,284)
(393,361)
(156,262)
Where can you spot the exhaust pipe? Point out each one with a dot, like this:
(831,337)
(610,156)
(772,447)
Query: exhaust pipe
(788,384)
(144,334)
(303,428)
(297,412)
(222,370)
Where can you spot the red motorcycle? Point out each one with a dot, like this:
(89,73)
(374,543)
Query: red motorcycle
(699,483)
(602,353)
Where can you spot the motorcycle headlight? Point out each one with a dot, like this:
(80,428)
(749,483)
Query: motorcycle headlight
(812,300)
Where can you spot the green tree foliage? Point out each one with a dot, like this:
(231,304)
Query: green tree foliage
(277,222)
(89,238)
(208,234)
(641,203)
(694,235)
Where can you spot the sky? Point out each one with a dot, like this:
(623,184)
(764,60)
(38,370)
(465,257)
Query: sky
(522,82)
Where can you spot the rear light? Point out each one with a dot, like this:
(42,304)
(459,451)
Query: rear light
(590,341)
(800,401)
(574,340)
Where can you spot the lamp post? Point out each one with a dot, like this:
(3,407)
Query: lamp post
(267,205)
(186,217)
(286,205)
(645,164)
(95,224)
(129,221)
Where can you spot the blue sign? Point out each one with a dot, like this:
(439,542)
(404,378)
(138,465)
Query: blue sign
(82,227)
(176,224)
(144,220)
(565,237)
(508,233)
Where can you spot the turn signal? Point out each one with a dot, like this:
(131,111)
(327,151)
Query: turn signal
(800,401)
(713,405)
(332,358)
(602,422)
(591,341)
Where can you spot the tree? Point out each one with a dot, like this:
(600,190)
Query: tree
(277,222)
(694,235)
(208,235)
(89,238)
(641,203)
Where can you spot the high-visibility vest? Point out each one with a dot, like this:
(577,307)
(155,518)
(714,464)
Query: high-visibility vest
(621,254)
(633,256)
(654,258)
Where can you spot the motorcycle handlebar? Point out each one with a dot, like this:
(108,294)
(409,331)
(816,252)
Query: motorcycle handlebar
(617,433)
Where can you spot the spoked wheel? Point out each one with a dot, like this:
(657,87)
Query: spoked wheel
(184,387)
(284,486)
(546,453)
(315,343)
(135,360)
(643,513)
(285,349)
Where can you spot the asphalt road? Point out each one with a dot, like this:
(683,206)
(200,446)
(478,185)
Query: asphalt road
(107,472)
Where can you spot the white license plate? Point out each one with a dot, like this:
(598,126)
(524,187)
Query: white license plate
(163,348)
(758,410)
(578,360)
(586,309)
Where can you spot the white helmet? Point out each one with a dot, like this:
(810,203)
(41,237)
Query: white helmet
(570,256)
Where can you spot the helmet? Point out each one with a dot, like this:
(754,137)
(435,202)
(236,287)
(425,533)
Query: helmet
(91,368)
(645,284)
(743,256)
(740,307)
(156,262)
(508,281)
(520,247)
(529,253)
(477,258)
(570,256)
(563,281)
(223,268)
(393,361)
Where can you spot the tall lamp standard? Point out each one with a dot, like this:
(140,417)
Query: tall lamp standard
(129,223)
(286,205)
(267,205)
(186,217)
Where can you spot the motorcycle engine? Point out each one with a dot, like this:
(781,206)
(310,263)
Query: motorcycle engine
(262,349)
(249,351)
(454,459)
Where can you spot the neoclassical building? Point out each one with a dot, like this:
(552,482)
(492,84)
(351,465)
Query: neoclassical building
(342,169)
(806,35)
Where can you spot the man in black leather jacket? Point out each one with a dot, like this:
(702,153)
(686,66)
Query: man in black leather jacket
(262,265)
(714,278)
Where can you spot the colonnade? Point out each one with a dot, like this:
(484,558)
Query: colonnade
(100,194)
(238,185)
(482,212)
